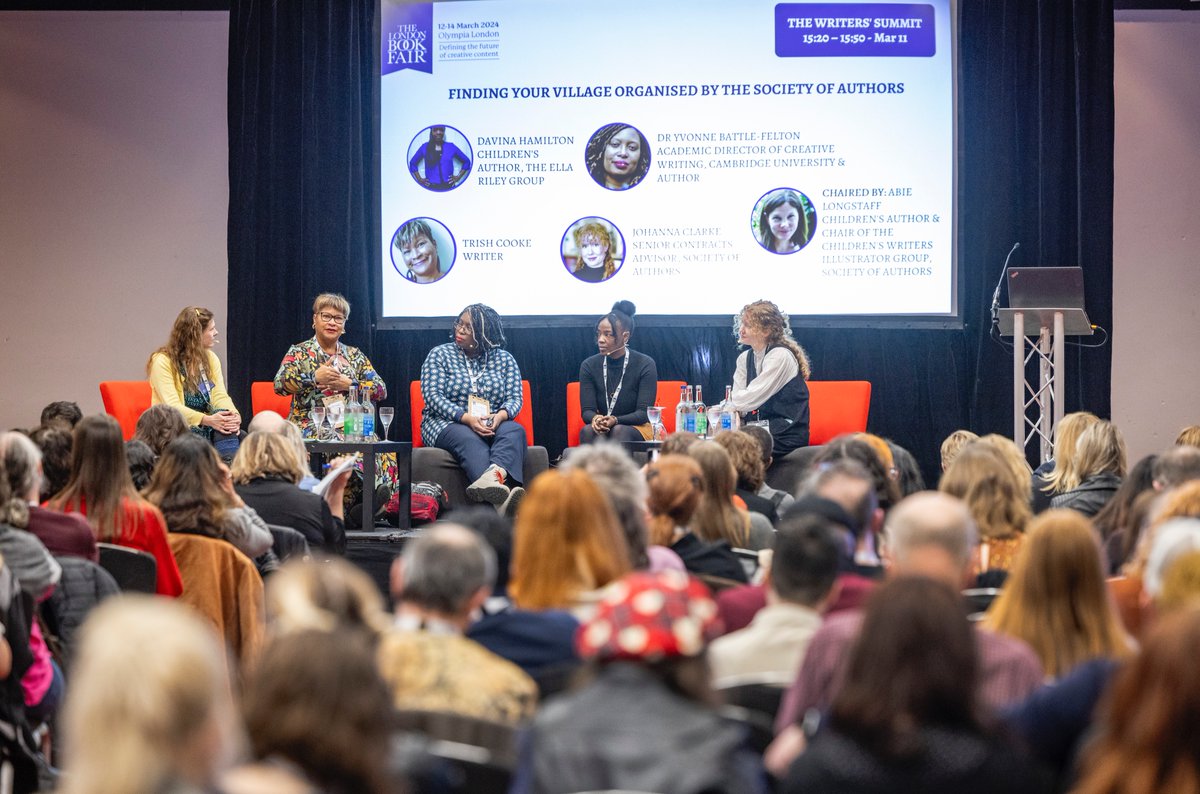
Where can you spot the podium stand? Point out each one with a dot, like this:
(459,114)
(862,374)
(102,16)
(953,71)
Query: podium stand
(1050,300)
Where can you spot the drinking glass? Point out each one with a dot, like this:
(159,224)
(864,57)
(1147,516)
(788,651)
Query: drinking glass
(335,414)
(385,418)
(318,415)
(654,414)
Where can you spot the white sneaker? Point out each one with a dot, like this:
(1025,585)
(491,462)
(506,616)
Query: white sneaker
(489,487)
(509,508)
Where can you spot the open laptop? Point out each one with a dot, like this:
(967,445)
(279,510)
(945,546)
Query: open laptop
(1045,288)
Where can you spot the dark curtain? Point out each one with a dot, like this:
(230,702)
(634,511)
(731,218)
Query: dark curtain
(1035,166)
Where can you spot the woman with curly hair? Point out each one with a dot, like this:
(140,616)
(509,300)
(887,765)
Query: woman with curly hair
(769,381)
(186,374)
(618,156)
(596,259)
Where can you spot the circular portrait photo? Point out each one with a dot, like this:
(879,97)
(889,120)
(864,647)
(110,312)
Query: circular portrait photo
(593,249)
(618,156)
(439,158)
(783,221)
(423,250)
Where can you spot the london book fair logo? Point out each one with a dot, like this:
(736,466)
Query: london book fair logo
(408,34)
(407,46)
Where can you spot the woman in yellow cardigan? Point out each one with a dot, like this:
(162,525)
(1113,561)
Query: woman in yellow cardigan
(186,374)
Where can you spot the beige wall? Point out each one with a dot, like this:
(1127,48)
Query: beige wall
(113,195)
(1156,232)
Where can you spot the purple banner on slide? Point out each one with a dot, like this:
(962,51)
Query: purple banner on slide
(406,37)
(860,30)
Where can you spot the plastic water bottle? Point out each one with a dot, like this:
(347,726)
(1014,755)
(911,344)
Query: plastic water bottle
(352,427)
(368,417)
(727,413)
(701,414)
(679,421)
(689,412)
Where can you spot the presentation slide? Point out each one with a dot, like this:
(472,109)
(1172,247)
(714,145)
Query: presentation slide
(549,157)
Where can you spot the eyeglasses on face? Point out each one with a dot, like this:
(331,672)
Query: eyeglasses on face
(337,319)
(460,325)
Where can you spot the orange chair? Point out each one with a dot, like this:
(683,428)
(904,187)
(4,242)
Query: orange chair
(836,407)
(667,396)
(264,398)
(417,400)
(125,400)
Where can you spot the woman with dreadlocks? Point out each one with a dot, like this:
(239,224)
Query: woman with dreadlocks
(472,390)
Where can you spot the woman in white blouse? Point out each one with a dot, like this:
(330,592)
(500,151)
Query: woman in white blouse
(769,382)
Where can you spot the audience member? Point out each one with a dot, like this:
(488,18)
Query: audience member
(1177,465)
(855,446)
(675,487)
(442,577)
(803,569)
(62,414)
(1180,583)
(852,486)
(623,486)
(1060,474)
(1180,502)
(318,717)
(1173,538)
(141,463)
(567,545)
(647,721)
(932,535)
(782,500)
(67,534)
(158,426)
(1055,597)
(679,443)
(953,444)
(1015,458)
(999,503)
(1147,728)
(746,456)
(149,709)
(908,473)
(1099,464)
(907,716)
(271,422)
(55,445)
(1117,523)
(193,489)
(306,595)
(716,517)
(265,475)
(1189,436)
(100,488)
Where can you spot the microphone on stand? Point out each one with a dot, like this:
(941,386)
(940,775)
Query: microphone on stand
(999,284)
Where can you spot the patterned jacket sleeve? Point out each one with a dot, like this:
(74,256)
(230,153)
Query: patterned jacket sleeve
(291,378)
(369,381)
(434,373)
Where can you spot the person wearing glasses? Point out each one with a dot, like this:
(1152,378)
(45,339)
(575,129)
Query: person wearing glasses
(472,390)
(320,371)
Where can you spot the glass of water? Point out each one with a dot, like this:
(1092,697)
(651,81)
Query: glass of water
(318,415)
(385,418)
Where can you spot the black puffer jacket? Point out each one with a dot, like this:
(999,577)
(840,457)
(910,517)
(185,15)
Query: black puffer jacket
(1090,496)
(84,584)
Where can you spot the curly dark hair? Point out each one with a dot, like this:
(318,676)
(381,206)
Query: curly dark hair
(158,426)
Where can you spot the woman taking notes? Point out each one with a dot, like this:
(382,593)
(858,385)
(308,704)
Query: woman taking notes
(617,384)
(186,374)
(472,389)
(769,381)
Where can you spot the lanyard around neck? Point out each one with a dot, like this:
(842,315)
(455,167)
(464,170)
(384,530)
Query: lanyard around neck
(611,402)
(472,374)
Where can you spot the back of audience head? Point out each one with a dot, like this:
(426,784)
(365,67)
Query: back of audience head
(1189,436)
(1055,597)
(765,442)
(497,531)
(1116,515)
(954,443)
(99,475)
(619,479)
(62,414)
(566,542)
(158,426)
(848,483)
(746,456)
(675,484)
(188,487)
(1172,538)
(933,535)
(266,455)
(1147,728)
(55,445)
(1100,450)
(141,463)
(315,699)
(716,518)
(1014,457)
(983,479)
(908,474)
(149,706)
(914,665)
(447,570)
(266,422)
(20,477)
(1066,438)
(1180,584)
(1177,465)
(882,450)
(305,595)
(804,565)
(855,448)
(679,443)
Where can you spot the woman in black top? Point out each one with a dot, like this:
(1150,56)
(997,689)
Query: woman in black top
(617,384)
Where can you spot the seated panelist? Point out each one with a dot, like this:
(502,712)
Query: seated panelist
(769,382)
(472,391)
(617,384)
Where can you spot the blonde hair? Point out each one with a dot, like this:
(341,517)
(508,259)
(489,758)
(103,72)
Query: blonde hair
(1188,437)
(1015,460)
(1182,501)
(263,454)
(148,687)
(954,443)
(1100,450)
(323,596)
(1181,583)
(1066,436)
(1055,598)
(983,479)
(774,322)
